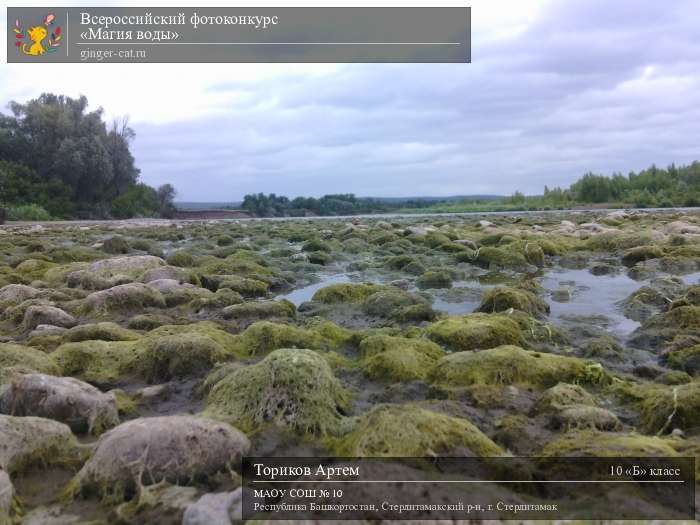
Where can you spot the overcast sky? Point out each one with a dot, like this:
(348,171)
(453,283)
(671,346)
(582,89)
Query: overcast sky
(555,89)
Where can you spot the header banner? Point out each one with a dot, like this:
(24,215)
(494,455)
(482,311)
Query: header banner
(238,34)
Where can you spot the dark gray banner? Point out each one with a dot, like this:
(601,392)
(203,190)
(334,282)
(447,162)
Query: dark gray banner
(466,488)
(238,34)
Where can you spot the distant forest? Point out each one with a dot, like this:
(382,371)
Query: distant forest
(60,161)
(650,188)
(57,160)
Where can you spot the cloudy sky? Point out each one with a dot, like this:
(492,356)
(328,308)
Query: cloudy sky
(555,88)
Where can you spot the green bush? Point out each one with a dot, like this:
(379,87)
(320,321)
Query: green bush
(28,212)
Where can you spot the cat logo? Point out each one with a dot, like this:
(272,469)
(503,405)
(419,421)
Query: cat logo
(40,39)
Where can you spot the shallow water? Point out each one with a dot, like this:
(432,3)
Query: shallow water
(592,295)
(589,295)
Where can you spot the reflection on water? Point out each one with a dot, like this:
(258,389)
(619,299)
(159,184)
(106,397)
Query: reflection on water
(570,294)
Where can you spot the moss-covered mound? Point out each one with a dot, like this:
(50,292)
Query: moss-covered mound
(475,331)
(434,279)
(390,358)
(686,359)
(518,256)
(290,388)
(13,355)
(504,298)
(664,408)
(102,363)
(34,441)
(258,310)
(410,431)
(176,351)
(666,326)
(262,337)
(563,395)
(106,331)
(507,365)
(399,305)
(641,253)
(589,443)
(345,293)
(124,299)
(179,356)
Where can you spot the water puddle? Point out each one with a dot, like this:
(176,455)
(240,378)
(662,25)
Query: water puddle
(590,295)
(305,293)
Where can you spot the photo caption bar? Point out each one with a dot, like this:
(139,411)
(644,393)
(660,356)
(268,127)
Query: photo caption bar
(458,488)
(238,34)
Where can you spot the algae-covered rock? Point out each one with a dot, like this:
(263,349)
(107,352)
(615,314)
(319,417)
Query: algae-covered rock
(79,405)
(148,321)
(399,305)
(686,359)
(181,258)
(434,279)
(410,431)
(262,337)
(475,331)
(102,363)
(516,256)
(345,293)
(666,326)
(398,358)
(35,441)
(641,253)
(145,451)
(17,293)
(585,417)
(116,245)
(13,355)
(506,365)
(503,298)
(258,310)
(562,395)
(47,315)
(105,331)
(244,286)
(665,408)
(590,443)
(290,388)
(125,298)
(131,266)
(180,356)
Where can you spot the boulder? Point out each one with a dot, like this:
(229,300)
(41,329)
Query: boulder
(47,315)
(125,298)
(79,405)
(145,451)
(17,293)
(31,441)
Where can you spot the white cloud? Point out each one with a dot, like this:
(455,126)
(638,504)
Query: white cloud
(555,89)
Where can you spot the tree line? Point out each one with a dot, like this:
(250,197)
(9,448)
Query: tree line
(652,187)
(59,160)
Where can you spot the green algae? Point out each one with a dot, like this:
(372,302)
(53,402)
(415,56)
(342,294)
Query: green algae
(390,358)
(507,365)
(290,388)
(475,331)
(411,431)
(504,298)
